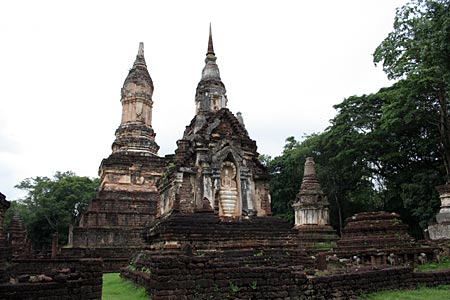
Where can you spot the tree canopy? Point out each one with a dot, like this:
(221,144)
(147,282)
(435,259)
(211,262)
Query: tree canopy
(418,50)
(387,150)
(53,204)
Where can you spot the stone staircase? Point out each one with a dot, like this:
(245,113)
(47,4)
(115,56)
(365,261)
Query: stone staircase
(207,231)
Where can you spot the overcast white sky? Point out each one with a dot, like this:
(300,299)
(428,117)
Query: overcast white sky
(284,64)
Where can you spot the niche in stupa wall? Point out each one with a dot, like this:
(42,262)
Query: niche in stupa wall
(229,195)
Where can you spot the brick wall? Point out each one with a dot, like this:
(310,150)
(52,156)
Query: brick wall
(203,278)
(195,278)
(113,258)
(85,284)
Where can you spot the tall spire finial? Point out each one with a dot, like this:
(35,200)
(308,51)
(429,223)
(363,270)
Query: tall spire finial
(140,59)
(141,49)
(310,183)
(211,94)
(210,42)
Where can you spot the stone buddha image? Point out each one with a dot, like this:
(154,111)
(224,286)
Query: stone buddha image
(228,194)
(228,175)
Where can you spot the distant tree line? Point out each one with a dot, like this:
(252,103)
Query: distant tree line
(52,205)
(387,150)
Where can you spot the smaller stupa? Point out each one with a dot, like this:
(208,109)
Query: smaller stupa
(312,217)
(17,237)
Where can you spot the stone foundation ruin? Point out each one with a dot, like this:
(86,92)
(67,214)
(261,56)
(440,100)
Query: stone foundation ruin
(198,224)
(380,238)
(35,279)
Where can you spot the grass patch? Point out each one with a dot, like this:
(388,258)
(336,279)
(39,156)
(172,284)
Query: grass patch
(433,266)
(422,293)
(324,246)
(115,288)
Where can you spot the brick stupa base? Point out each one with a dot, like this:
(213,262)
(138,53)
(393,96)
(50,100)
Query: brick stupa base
(374,236)
(207,248)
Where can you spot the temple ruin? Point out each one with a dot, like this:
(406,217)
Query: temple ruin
(380,237)
(198,224)
(112,226)
(216,164)
(312,217)
(17,237)
(215,168)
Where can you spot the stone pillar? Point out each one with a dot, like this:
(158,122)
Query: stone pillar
(54,245)
(441,230)
(91,273)
(70,236)
(321,263)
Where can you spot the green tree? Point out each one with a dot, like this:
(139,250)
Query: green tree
(341,178)
(379,153)
(387,150)
(391,136)
(265,159)
(419,50)
(52,205)
(286,174)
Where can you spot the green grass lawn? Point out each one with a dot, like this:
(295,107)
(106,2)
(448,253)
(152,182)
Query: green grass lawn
(115,288)
(434,266)
(423,293)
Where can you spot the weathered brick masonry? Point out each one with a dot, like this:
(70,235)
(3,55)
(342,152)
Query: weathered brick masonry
(373,236)
(84,282)
(203,278)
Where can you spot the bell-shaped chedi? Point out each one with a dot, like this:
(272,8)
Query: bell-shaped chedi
(311,204)
(135,133)
(131,166)
(210,95)
(215,199)
(127,200)
(312,219)
(216,163)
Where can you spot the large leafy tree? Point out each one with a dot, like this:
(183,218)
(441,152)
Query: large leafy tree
(418,49)
(341,177)
(387,150)
(286,175)
(379,153)
(393,138)
(52,205)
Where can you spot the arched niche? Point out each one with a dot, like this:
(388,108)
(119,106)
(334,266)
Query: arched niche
(229,189)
